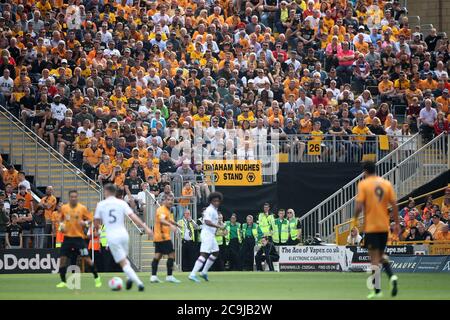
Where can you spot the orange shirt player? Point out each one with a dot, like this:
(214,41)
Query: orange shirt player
(374,197)
(75,217)
(164,225)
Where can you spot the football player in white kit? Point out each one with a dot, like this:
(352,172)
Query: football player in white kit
(111,212)
(209,249)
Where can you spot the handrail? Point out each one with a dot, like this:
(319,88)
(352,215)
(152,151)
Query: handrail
(422,195)
(346,192)
(134,224)
(385,175)
(394,175)
(336,227)
(423,242)
(38,139)
(135,243)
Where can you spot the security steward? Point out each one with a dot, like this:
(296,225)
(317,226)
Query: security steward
(94,245)
(281,229)
(233,240)
(294,230)
(188,245)
(252,234)
(219,265)
(198,238)
(266,221)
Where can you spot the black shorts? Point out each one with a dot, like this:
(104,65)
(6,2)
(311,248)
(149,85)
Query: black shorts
(376,241)
(74,245)
(164,247)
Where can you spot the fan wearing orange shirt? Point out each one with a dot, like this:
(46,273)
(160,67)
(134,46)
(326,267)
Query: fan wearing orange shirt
(109,148)
(443,234)
(28,198)
(374,197)
(11,176)
(118,177)
(164,225)
(75,217)
(105,171)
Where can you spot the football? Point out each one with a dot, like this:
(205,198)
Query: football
(115,284)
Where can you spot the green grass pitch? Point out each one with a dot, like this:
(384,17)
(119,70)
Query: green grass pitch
(229,285)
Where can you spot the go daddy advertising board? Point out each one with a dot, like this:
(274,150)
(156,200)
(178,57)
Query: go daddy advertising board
(235,172)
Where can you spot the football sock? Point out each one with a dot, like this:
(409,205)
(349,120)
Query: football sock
(198,265)
(131,274)
(62,273)
(94,271)
(387,268)
(376,278)
(169,266)
(154,267)
(209,263)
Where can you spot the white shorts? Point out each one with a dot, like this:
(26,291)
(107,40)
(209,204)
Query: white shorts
(209,243)
(118,245)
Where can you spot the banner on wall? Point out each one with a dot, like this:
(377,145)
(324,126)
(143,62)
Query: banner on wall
(361,260)
(235,172)
(351,258)
(29,261)
(315,258)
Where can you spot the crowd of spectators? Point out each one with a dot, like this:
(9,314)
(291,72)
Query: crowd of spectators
(101,79)
(23,221)
(427,222)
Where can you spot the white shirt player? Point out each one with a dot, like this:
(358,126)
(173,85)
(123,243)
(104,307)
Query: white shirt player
(112,212)
(212,215)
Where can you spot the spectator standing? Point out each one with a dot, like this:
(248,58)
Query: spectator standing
(38,227)
(280,234)
(233,239)
(266,221)
(427,118)
(13,237)
(27,197)
(219,264)
(188,250)
(251,234)
(49,202)
(294,230)
(24,220)
(4,221)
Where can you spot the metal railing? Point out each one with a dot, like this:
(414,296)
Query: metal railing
(135,243)
(419,168)
(341,230)
(151,206)
(37,240)
(310,220)
(262,150)
(36,155)
(335,148)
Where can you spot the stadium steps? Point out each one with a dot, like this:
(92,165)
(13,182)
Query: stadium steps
(147,253)
(46,165)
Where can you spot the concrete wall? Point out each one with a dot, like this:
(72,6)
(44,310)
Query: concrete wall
(436,12)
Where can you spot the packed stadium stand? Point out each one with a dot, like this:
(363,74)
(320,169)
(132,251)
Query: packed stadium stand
(141,93)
